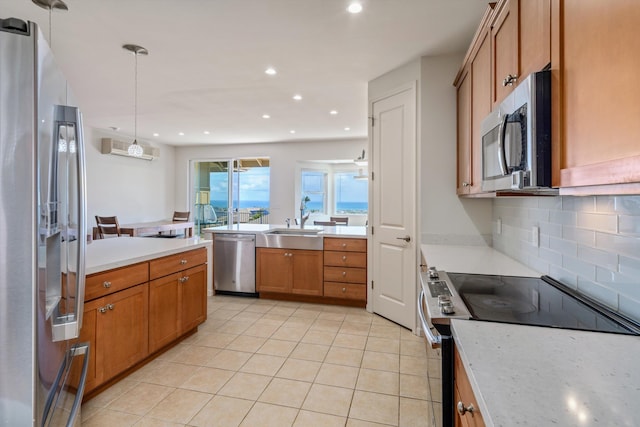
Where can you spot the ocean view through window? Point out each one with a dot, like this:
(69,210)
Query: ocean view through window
(351,195)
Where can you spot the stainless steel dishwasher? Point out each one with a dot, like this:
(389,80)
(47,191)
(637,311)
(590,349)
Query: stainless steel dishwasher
(234,264)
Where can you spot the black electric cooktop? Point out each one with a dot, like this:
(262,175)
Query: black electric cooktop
(536,301)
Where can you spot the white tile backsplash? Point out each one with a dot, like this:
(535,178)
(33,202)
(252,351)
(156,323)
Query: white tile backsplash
(591,244)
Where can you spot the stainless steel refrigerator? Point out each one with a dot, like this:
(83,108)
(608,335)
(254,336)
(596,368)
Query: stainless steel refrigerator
(42,235)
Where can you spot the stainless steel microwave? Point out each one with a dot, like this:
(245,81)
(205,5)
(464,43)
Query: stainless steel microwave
(516,138)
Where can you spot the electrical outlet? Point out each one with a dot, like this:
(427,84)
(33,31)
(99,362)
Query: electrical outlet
(535,236)
(499,226)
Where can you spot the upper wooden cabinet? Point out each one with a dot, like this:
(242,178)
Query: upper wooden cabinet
(504,45)
(596,107)
(534,27)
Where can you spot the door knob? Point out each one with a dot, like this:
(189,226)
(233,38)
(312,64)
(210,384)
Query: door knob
(406,238)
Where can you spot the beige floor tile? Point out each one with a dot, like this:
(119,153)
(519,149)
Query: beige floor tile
(140,399)
(217,340)
(413,348)
(238,304)
(406,334)
(236,326)
(413,365)
(263,364)
(359,316)
(336,317)
(274,317)
(283,311)
(229,359)
(261,330)
(380,331)
(277,347)
(173,352)
(381,361)
(154,422)
(357,342)
(433,353)
(378,408)
(170,374)
(306,312)
(208,380)
(299,322)
(415,412)
(315,419)
(414,386)
(328,400)
(434,368)
(247,316)
(245,386)
(222,411)
(246,343)
(355,328)
(109,395)
(267,415)
(337,375)
(224,314)
(147,370)
(180,406)
(383,345)
(326,325)
(108,418)
(437,412)
(378,381)
(196,355)
(285,392)
(435,386)
(352,422)
(318,337)
(258,308)
(302,370)
(290,333)
(344,356)
(315,352)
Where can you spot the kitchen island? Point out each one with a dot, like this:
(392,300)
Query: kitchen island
(539,376)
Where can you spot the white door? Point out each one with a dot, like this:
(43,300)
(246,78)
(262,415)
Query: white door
(394,153)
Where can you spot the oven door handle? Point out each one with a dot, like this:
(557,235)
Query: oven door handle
(435,341)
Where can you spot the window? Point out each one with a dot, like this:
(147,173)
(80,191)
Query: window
(314,186)
(351,193)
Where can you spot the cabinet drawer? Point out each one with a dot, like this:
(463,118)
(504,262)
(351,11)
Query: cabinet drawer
(464,394)
(174,263)
(345,259)
(347,275)
(350,245)
(343,290)
(111,281)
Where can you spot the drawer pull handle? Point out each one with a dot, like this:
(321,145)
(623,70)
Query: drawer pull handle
(102,309)
(344,257)
(106,284)
(509,80)
(463,410)
(344,289)
(344,273)
(183,261)
(110,306)
(344,245)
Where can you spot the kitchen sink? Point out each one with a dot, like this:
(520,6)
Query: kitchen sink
(291,239)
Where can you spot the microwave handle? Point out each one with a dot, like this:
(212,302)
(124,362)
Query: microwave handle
(502,151)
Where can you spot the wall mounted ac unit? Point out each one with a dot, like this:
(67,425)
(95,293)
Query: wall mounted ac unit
(120,148)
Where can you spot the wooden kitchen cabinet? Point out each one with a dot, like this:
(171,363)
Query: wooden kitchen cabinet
(345,269)
(505,48)
(467,411)
(535,35)
(464,119)
(289,271)
(595,93)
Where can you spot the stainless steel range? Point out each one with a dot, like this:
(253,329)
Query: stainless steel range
(540,301)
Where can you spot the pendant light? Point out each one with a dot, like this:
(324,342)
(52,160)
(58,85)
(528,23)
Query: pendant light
(50,5)
(135,149)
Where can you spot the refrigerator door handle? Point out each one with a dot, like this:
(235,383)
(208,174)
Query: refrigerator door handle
(68,326)
(56,388)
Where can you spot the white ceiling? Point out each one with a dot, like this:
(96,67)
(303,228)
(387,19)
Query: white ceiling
(205,69)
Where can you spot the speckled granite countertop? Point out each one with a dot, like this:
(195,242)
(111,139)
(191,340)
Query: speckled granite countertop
(537,376)
(354,231)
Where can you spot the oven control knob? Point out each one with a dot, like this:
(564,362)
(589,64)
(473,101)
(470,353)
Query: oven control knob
(433,273)
(447,309)
(444,299)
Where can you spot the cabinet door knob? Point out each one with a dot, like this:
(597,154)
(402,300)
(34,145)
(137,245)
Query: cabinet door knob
(106,284)
(344,245)
(344,289)
(183,261)
(465,184)
(463,410)
(344,257)
(102,309)
(344,273)
(509,80)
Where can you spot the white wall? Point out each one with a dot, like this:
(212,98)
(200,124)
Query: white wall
(132,189)
(446,218)
(285,200)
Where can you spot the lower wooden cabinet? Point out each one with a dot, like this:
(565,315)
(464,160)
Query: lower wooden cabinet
(345,269)
(177,304)
(289,271)
(467,409)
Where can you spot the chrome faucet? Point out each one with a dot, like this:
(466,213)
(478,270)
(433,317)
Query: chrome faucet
(288,222)
(303,218)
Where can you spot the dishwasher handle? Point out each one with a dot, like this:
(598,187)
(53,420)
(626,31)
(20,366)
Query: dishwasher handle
(239,238)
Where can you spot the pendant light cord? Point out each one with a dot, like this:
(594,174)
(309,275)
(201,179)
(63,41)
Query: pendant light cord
(135,101)
(50,39)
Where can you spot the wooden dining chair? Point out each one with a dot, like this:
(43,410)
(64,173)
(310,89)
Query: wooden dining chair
(108,225)
(181,216)
(324,223)
(340,220)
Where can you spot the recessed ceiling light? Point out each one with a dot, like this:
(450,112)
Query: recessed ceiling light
(270,71)
(355,7)
(156,134)
(206,132)
(113,128)
(181,133)
(292,131)
(297,97)
(266,116)
(347,128)
(333,112)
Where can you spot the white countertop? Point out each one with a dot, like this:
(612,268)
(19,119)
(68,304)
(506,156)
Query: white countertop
(536,376)
(474,260)
(355,231)
(106,254)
